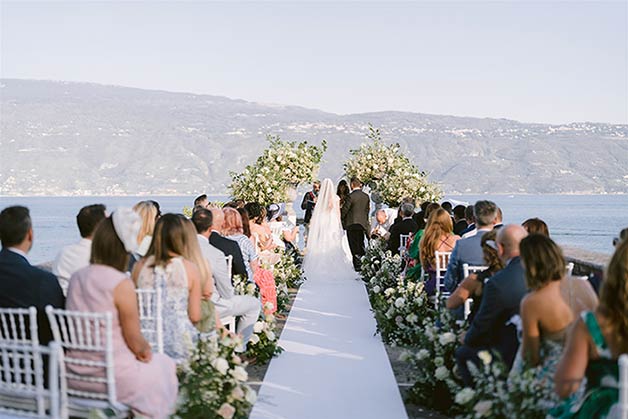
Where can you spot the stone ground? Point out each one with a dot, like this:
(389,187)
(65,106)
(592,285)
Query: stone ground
(400,369)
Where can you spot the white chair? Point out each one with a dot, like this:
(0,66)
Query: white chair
(466,271)
(87,333)
(151,317)
(623,386)
(229,265)
(442,260)
(403,244)
(22,389)
(19,325)
(569,268)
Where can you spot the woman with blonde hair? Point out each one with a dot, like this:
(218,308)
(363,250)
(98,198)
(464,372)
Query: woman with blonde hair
(593,347)
(438,237)
(148,212)
(167,267)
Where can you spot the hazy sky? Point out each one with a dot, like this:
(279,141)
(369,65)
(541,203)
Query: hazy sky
(531,61)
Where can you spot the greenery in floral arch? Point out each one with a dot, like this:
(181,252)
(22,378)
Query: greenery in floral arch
(281,165)
(389,172)
(212,382)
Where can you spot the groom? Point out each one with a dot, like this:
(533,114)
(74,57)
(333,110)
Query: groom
(355,219)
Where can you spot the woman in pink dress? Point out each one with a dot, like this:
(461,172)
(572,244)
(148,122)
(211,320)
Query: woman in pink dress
(145,382)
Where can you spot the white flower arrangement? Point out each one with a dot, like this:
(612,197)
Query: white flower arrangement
(389,172)
(281,165)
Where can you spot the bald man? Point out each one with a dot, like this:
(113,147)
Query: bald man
(501,297)
(225,245)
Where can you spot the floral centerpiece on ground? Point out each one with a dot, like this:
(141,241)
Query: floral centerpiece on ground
(282,165)
(212,383)
(389,172)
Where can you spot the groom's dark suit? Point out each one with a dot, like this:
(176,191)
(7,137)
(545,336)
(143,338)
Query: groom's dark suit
(355,219)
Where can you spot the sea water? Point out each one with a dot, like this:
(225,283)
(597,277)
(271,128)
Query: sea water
(585,221)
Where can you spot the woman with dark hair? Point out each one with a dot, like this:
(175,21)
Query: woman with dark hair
(471,286)
(593,347)
(145,381)
(536,226)
(343,191)
(246,223)
(261,234)
(166,267)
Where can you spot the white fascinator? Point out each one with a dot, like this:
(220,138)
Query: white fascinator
(127,224)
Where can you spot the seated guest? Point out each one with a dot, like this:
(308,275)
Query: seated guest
(469,216)
(149,214)
(226,246)
(460,223)
(469,250)
(201,201)
(501,299)
(245,307)
(276,222)
(536,226)
(261,277)
(384,219)
(499,219)
(623,235)
(21,284)
(261,235)
(76,256)
(447,206)
(406,226)
(180,280)
(471,286)
(104,286)
(545,315)
(438,237)
(593,347)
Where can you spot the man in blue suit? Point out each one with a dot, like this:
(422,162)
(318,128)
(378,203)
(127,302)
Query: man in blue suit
(21,284)
(469,250)
(501,296)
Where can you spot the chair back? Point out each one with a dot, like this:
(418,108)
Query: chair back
(150,306)
(22,389)
(442,260)
(229,265)
(623,386)
(277,230)
(569,268)
(19,325)
(403,243)
(466,271)
(89,334)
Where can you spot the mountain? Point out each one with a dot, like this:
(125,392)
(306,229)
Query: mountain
(65,138)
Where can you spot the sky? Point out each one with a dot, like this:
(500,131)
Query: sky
(554,62)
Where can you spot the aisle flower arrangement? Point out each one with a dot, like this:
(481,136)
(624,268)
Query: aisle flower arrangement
(212,382)
(287,275)
(282,165)
(389,172)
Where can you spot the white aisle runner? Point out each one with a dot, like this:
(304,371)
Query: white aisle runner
(333,366)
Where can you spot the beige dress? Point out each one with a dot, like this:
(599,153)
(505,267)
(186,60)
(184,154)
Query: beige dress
(148,388)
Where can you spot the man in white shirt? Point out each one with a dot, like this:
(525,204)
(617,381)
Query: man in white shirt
(76,256)
(247,308)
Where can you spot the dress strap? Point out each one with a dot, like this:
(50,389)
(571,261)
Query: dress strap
(594,330)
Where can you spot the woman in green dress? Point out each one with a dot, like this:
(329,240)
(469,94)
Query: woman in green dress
(593,347)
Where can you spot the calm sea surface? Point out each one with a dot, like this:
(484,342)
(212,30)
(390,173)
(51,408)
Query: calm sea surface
(589,222)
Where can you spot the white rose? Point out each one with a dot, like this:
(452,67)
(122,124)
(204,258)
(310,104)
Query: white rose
(404,356)
(441,373)
(239,374)
(237,393)
(254,340)
(270,335)
(251,396)
(446,338)
(485,356)
(226,411)
(465,395)
(376,289)
(258,327)
(412,318)
(399,302)
(422,354)
(439,361)
(483,407)
(221,365)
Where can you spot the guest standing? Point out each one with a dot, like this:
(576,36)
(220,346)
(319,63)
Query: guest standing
(146,382)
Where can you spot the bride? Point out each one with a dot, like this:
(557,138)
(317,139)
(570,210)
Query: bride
(326,256)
